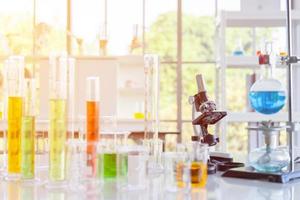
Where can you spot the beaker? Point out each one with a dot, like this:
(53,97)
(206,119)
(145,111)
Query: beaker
(78,170)
(14,82)
(174,163)
(132,167)
(28,131)
(92,121)
(155,149)
(107,153)
(196,171)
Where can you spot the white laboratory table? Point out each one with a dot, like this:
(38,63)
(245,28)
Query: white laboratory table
(218,188)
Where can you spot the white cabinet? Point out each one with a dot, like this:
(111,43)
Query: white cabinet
(121,87)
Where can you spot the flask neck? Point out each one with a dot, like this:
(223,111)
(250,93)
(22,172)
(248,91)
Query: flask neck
(266,71)
(271,140)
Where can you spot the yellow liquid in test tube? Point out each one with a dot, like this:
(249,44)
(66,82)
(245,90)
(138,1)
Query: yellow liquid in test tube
(58,134)
(14,134)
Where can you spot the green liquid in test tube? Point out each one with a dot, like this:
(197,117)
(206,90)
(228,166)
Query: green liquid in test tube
(58,136)
(58,119)
(28,131)
(27,146)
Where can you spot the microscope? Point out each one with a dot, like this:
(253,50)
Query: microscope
(205,113)
(209,114)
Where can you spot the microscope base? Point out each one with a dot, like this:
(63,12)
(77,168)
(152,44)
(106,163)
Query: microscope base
(250,173)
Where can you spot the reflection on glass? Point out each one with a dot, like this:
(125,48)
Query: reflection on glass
(27,193)
(13,191)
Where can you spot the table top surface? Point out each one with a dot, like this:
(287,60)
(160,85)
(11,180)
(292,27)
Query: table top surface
(218,188)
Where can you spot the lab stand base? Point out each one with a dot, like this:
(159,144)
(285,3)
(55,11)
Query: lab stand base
(250,173)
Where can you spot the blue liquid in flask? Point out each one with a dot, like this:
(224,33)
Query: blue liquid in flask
(267,102)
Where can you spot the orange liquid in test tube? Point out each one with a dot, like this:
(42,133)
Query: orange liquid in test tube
(92,122)
(92,133)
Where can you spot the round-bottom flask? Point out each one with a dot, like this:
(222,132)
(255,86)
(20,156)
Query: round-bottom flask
(270,158)
(267,96)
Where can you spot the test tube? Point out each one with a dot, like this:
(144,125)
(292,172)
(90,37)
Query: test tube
(28,131)
(57,118)
(92,122)
(15,79)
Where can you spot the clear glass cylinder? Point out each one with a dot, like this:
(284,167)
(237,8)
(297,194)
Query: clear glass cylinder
(132,167)
(152,87)
(76,164)
(14,88)
(58,118)
(93,88)
(28,130)
(71,95)
(92,121)
(151,103)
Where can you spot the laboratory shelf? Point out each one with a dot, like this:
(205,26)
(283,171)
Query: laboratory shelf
(131,61)
(257,117)
(241,62)
(250,62)
(255,19)
(132,90)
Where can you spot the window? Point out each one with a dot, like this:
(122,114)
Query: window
(181,32)
(50,26)
(16,20)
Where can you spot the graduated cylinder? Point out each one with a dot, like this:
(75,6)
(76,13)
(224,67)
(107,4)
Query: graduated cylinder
(28,130)
(15,77)
(58,117)
(92,121)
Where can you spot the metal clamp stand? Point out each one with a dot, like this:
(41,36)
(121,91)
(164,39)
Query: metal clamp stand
(292,173)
